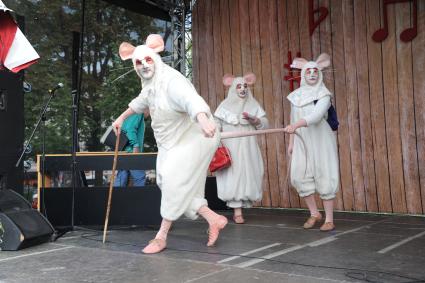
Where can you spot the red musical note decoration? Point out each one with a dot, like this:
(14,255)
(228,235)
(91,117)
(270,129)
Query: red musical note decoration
(294,76)
(408,34)
(323,13)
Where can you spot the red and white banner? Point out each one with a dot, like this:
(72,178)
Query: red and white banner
(16,53)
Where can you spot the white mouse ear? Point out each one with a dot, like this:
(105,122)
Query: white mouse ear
(298,63)
(323,61)
(126,50)
(249,78)
(155,42)
(228,79)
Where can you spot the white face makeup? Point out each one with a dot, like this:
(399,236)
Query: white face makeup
(311,76)
(242,90)
(145,67)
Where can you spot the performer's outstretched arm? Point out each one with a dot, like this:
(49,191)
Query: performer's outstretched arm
(120,120)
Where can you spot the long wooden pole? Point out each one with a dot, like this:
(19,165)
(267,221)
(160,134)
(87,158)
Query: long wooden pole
(230,135)
(240,134)
(111,187)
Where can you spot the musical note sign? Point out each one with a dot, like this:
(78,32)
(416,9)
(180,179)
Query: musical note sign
(294,76)
(408,34)
(323,12)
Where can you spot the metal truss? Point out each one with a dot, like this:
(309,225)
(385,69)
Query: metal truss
(181,30)
(180,12)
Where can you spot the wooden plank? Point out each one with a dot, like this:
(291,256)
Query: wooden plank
(306,47)
(245,36)
(276,101)
(392,122)
(419,94)
(352,103)
(368,166)
(407,113)
(283,161)
(265,41)
(294,47)
(225,37)
(210,54)
(195,48)
(377,109)
(315,37)
(254,27)
(225,41)
(218,54)
(203,68)
(235,37)
(341,105)
(326,44)
(328,74)
(304,31)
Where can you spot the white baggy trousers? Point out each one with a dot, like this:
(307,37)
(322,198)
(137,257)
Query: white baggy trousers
(182,172)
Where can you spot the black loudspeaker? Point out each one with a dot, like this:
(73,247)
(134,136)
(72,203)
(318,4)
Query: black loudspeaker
(20,225)
(11,129)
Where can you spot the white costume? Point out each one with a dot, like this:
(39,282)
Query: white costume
(241,183)
(184,153)
(321,173)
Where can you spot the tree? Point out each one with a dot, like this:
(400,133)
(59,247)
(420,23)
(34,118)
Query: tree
(50,24)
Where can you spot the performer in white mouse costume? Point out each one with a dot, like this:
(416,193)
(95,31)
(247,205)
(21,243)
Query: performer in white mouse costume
(241,184)
(309,108)
(185,133)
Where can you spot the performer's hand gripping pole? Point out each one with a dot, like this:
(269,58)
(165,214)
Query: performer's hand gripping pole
(111,186)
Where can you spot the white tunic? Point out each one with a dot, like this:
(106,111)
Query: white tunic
(241,183)
(184,153)
(321,172)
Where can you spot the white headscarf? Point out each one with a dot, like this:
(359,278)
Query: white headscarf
(306,93)
(162,73)
(231,108)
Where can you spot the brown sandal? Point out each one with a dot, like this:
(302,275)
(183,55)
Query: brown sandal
(311,221)
(238,219)
(327,226)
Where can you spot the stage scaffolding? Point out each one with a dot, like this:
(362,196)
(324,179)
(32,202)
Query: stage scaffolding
(181,30)
(179,14)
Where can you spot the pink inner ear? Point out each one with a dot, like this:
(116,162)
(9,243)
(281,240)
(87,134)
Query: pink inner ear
(298,63)
(323,61)
(228,79)
(126,50)
(155,42)
(249,78)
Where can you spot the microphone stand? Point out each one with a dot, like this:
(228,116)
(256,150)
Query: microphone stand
(42,118)
(74,151)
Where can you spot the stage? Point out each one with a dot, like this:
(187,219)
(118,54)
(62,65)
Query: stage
(271,247)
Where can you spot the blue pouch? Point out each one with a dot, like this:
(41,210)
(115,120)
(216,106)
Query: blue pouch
(332,117)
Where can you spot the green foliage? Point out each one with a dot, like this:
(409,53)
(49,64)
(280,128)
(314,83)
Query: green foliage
(49,25)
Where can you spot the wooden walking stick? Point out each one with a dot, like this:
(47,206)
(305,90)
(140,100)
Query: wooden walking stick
(111,186)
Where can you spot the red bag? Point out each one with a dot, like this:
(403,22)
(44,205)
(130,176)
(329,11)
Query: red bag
(221,159)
